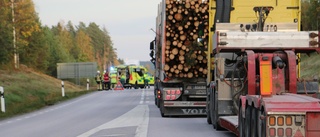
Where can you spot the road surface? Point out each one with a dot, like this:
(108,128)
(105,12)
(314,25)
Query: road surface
(119,113)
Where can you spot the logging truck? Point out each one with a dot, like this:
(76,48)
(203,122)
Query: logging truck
(180,61)
(249,52)
(254,89)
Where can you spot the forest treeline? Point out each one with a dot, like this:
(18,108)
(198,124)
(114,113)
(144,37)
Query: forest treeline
(41,47)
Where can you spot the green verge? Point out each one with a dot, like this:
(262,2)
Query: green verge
(26,90)
(310,66)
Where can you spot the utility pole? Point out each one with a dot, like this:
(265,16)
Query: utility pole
(16,56)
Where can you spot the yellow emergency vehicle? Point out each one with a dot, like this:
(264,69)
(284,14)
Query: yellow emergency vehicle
(134,75)
(149,78)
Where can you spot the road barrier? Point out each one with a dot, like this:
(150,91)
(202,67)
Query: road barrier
(62,88)
(88,84)
(3,108)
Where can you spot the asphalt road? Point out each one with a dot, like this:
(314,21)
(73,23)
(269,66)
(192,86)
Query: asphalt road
(120,113)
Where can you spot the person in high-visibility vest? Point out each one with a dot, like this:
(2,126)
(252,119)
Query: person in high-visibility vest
(123,79)
(98,79)
(146,80)
(114,80)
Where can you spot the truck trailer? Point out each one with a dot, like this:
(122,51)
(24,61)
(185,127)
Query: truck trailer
(254,89)
(180,61)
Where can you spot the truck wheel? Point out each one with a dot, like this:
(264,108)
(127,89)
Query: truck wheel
(262,123)
(211,109)
(209,121)
(248,122)
(241,123)
(158,103)
(214,114)
(136,85)
(217,126)
(254,121)
(161,108)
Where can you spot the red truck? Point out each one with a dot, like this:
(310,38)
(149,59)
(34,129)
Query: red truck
(255,90)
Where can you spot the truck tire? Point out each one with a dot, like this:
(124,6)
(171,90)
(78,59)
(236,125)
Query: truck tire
(136,85)
(209,121)
(158,103)
(161,108)
(211,109)
(214,112)
(248,122)
(241,122)
(254,122)
(262,123)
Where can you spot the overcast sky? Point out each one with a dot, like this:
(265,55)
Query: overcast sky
(128,21)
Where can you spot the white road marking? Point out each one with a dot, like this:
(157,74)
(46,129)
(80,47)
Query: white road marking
(138,116)
(47,111)
(142,97)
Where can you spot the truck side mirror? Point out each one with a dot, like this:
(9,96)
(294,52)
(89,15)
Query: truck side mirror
(151,54)
(152,45)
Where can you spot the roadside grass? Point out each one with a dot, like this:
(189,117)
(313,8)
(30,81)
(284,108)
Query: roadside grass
(26,90)
(310,66)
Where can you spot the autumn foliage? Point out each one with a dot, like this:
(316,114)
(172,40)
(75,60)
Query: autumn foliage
(41,47)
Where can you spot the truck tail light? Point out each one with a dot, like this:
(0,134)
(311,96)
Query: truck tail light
(272,132)
(288,120)
(280,132)
(168,97)
(178,92)
(172,94)
(272,121)
(288,132)
(159,94)
(280,121)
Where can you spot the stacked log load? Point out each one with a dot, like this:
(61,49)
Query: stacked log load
(185,57)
